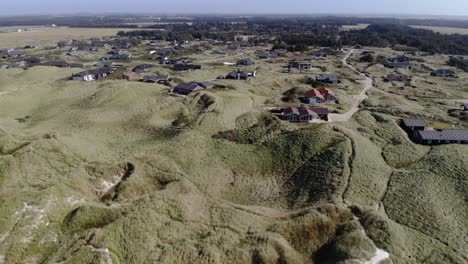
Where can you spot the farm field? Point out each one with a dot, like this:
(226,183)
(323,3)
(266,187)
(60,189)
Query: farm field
(49,35)
(445,30)
(117,171)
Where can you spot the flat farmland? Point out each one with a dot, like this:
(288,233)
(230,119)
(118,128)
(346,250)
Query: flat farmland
(10,37)
(445,30)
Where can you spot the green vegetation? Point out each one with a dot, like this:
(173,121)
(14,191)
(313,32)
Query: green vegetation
(216,178)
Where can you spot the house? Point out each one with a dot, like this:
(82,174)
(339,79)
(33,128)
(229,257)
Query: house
(18,64)
(238,75)
(4,66)
(396,65)
(268,55)
(200,50)
(106,64)
(29,47)
(92,75)
(306,58)
(319,96)
(442,136)
(400,59)
(4,53)
(206,85)
(175,61)
(233,47)
(464,107)
(304,114)
(13,54)
(187,88)
(323,53)
(328,78)
(444,73)
(280,52)
(33,60)
(186,67)
(120,57)
(130,76)
(299,65)
(77,53)
(397,78)
(114,52)
(412,126)
(218,52)
(245,62)
(166,80)
(142,67)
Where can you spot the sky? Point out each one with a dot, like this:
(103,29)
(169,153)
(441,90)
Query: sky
(361,7)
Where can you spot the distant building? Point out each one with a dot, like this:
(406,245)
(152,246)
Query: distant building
(246,62)
(166,80)
(268,55)
(142,67)
(233,47)
(416,129)
(176,61)
(319,96)
(186,67)
(241,75)
(397,78)
(397,65)
(280,51)
(120,57)
(299,65)
(218,52)
(304,114)
(106,64)
(92,75)
(444,73)
(412,126)
(190,87)
(464,107)
(328,78)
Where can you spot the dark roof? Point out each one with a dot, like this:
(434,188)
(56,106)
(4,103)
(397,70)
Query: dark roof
(327,77)
(140,68)
(320,110)
(452,134)
(399,59)
(396,78)
(99,71)
(55,63)
(246,61)
(396,64)
(304,111)
(186,88)
(156,78)
(414,122)
(443,72)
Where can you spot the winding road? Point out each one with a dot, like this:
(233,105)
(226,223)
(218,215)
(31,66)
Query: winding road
(367,83)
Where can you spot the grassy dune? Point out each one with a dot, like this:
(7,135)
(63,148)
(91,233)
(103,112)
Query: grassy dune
(122,172)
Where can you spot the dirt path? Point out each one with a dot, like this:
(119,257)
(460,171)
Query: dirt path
(366,81)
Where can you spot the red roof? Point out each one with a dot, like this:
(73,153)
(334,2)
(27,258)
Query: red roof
(324,91)
(321,93)
(313,93)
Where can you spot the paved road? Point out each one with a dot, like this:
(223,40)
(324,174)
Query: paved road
(366,82)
